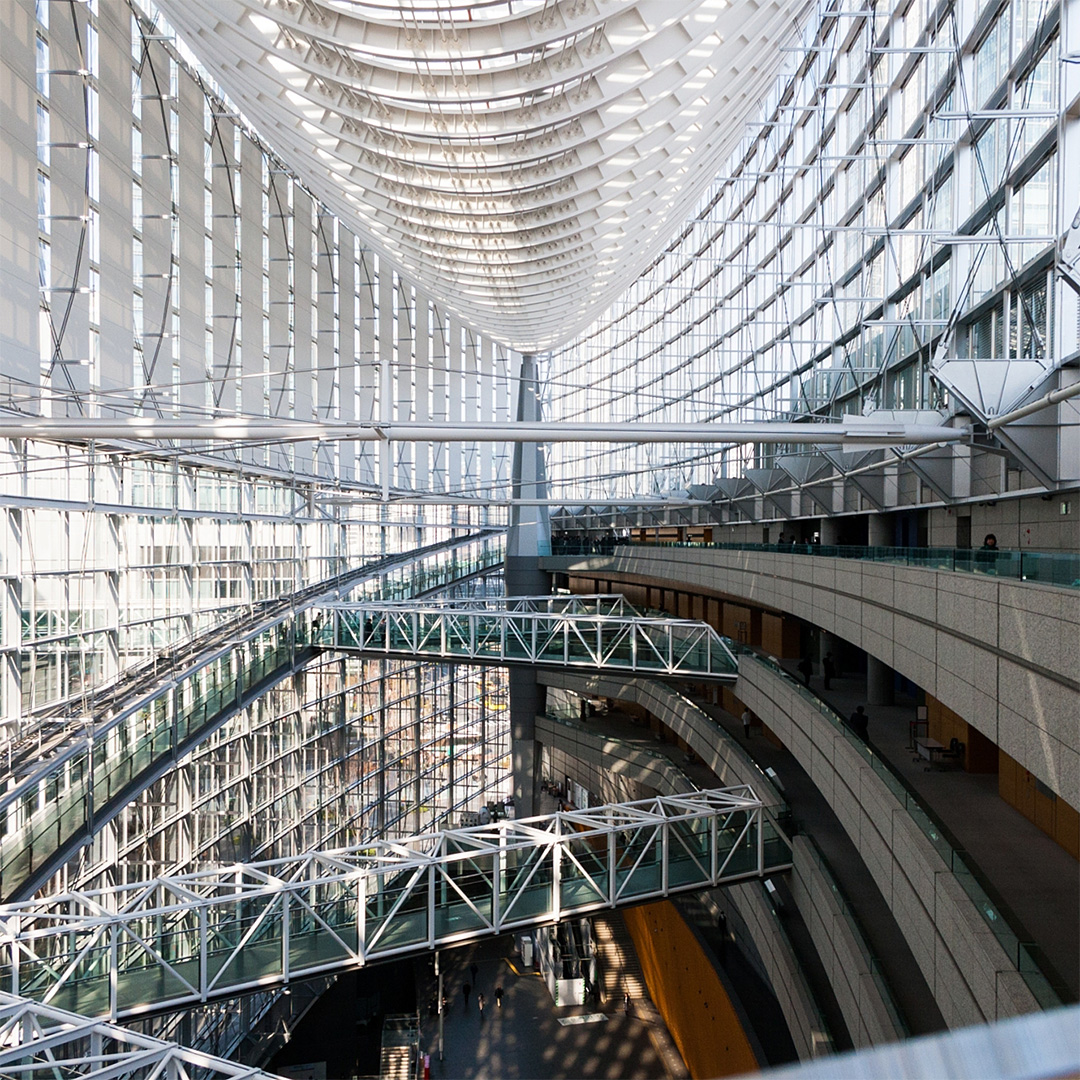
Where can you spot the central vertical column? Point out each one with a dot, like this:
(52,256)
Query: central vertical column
(528,538)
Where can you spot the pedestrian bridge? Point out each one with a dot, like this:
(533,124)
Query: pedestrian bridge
(175,941)
(598,633)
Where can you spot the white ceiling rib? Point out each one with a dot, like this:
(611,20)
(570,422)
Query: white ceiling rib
(522,161)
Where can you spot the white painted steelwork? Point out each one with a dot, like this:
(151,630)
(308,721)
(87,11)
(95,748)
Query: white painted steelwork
(542,631)
(41,1041)
(172,941)
(853,430)
(522,161)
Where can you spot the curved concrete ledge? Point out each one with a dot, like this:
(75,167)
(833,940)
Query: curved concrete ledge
(597,754)
(971,976)
(594,753)
(725,758)
(804,1021)
(1000,653)
(843,951)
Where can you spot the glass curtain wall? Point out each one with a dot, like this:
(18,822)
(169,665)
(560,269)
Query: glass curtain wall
(897,205)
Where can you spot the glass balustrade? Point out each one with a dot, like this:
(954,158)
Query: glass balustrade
(1060,568)
(1022,955)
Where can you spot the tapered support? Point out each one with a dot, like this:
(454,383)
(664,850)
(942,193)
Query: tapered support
(528,538)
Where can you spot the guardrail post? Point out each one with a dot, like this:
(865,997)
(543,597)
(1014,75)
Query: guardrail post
(612,851)
(13,927)
(361,915)
(760,842)
(431,904)
(556,874)
(714,844)
(665,852)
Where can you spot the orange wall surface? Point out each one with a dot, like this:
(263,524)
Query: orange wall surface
(688,992)
(980,754)
(1054,816)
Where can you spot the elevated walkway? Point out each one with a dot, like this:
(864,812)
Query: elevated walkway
(38,1042)
(595,633)
(171,942)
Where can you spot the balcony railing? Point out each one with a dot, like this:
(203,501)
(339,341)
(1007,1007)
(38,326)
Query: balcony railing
(1060,568)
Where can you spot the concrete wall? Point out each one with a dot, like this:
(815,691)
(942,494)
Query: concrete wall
(1001,654)
(968,971)
(723,756)
(843,952)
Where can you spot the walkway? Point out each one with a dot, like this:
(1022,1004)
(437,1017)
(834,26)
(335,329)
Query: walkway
(595,633)
(179,940)
(1034,877)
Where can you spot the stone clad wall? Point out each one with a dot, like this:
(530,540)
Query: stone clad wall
(1000,653)
(972,978)
(842,950)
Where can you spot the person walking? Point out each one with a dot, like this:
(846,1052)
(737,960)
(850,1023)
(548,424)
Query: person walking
(828,669)
(498,997)
(806,669)
(747,717)
(480,1006)
(474,971)
(466,989)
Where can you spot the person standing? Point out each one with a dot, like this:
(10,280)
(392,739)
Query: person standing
(828,669)
(806,669)
(986,556)
(474,971)
(747,717)
(466,989)
(860,723)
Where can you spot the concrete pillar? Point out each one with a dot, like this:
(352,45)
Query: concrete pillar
(829,530)
(528,538)
(880,531)
(879,682)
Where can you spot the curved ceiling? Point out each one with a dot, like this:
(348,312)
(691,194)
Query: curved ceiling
(522,161)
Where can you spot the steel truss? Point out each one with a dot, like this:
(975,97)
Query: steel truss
(601,634)
(41,1041)
(174,941)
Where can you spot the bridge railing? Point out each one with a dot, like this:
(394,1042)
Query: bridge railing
(604,638)
(174,941)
